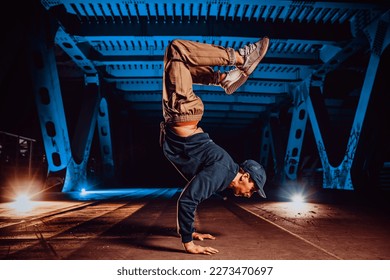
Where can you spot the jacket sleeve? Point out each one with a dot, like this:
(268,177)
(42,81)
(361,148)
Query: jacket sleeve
(201,187)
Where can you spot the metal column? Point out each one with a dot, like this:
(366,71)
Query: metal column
(47,92)
(67,160)
(76,175)
(339,177)
(105,140)
(296,134)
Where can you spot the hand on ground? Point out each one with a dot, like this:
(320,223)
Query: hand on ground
(202,236)
(192,248)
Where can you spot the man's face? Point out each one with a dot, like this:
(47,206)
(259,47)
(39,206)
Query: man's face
(244,187)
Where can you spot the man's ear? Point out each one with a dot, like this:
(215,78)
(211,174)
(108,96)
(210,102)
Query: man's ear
(246,175)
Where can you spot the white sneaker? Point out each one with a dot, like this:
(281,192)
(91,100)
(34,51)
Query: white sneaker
(253,54)
(233,80)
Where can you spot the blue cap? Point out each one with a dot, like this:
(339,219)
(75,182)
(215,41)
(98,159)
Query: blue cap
(257,173)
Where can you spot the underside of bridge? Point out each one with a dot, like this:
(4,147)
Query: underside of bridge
(80,112)
(81,81)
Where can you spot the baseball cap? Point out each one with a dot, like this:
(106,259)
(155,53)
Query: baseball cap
(257,173)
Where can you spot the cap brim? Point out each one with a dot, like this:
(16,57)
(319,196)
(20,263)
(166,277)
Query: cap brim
(262,193)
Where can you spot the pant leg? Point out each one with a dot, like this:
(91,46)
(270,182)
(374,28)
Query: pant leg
(204,75)
(200,54)
(185,63)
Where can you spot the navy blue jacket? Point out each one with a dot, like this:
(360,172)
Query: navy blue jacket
(207,167)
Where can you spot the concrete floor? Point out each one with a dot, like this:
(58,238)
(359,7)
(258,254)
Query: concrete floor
(139,224)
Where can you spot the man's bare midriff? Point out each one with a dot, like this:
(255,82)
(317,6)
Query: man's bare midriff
(185,129)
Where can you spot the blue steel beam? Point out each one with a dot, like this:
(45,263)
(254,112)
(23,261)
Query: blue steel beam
(126,71)
(269,9)
(72,46)
(47,92)
(106,149)
(76,175)
(117,14)
(109,50)
(63,156)
(339,177)
(278,146)
(267,147)
(155,84)
(124,55)
(209,98)
(296,134)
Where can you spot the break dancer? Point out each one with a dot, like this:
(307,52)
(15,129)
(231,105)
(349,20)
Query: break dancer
(207,167)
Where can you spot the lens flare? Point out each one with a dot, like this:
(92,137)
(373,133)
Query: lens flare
(22,203)
(297,198)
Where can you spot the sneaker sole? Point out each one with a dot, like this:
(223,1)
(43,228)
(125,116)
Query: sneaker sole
(233,87)
(265,43)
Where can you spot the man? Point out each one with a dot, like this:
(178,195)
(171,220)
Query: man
(206,166)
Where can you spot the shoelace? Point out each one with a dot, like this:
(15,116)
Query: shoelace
(247,49)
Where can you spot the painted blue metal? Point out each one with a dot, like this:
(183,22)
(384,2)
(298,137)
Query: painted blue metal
(126,41)
(76,175)
(339,177)
(296,134)
(48,99)
(150,84)
(271,10)
(266,145)
(106,149)
(69,45)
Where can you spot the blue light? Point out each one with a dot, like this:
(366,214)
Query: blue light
(125,193)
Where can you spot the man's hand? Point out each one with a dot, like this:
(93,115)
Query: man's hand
(202,236)
(192,248)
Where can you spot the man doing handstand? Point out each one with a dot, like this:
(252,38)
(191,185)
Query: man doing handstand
(207,167)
